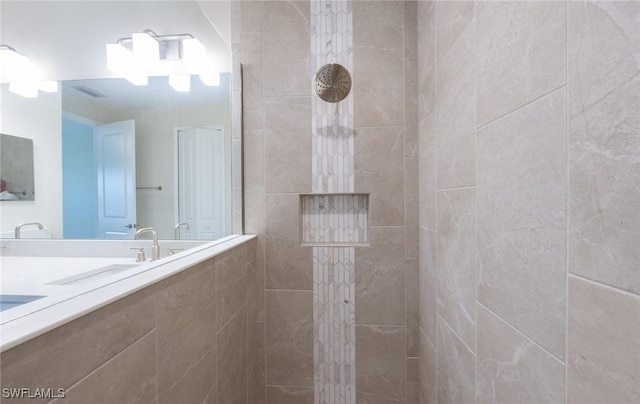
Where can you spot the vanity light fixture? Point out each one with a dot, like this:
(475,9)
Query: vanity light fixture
(210,78)
(19,72)
(148,54)
(180,82)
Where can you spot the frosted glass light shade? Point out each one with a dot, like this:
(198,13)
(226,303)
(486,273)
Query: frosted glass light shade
(193,53)
(120,61)
(146,50)
(27,89)
(210,78)
(14,66)
(180,82)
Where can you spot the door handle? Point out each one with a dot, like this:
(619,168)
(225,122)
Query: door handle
(131,226)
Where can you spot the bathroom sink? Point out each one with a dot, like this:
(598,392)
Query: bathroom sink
(93,275)
(10,301)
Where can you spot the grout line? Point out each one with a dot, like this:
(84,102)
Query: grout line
(435,154)
(286,386)
(611,288)
(475,197)
(288,290)
(380,325)
(264,202)
(566,140)
(398,127)
(456,188)
(516,109)
(522,334)
(456,334)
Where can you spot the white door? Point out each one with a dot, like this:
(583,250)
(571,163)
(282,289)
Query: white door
(115,155)
(201,181)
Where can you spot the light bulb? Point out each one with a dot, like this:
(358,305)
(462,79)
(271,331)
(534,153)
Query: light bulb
(146,50)
(120,61)
(193,54)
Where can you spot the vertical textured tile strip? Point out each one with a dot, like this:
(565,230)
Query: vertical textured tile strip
(333,172)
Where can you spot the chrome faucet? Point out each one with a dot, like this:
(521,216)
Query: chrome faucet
(21,225)
(176,230)
(155,251)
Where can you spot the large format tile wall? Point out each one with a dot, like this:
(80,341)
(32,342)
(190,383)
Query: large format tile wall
(182,340)
(529,201)
(277,101)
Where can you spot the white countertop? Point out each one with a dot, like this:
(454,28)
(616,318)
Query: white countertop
(64,303)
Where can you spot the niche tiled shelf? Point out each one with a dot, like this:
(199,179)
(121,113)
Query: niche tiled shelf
(334,220)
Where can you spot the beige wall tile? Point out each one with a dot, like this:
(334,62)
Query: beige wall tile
(195,385)
(252,78)
(253,172)
(457,261)
(288,266)
(428,282)
(428,369)
(260,279)
(256,383)
(513,369)
(63,356)
(378,51)
(456,110)
(128,377)
(380,272)
(603,355)
(289,336)
(410,108)
(410,28)
(522,220)
(254,210)
(252,249)
(289,395)
(412,290)
(456,368)
(212,397)
(413,370)
(285,12)
(413,379)
(232,360)
(251,16)
(384,181)
(287,144)
(231,284)
(411,204)
(521,54)
(427,179)
(380,373)
(452,17)
(286,48)
(426,59)
(604,142)
(253,292)
(185,321)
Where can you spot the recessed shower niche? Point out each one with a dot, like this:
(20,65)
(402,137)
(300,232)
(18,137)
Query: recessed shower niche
(338,220)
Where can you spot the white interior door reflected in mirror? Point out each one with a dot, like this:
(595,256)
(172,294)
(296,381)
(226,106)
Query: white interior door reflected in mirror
(115,154)
(200,172)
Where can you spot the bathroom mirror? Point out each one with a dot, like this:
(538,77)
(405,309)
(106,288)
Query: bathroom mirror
(67,41)
(16,169)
